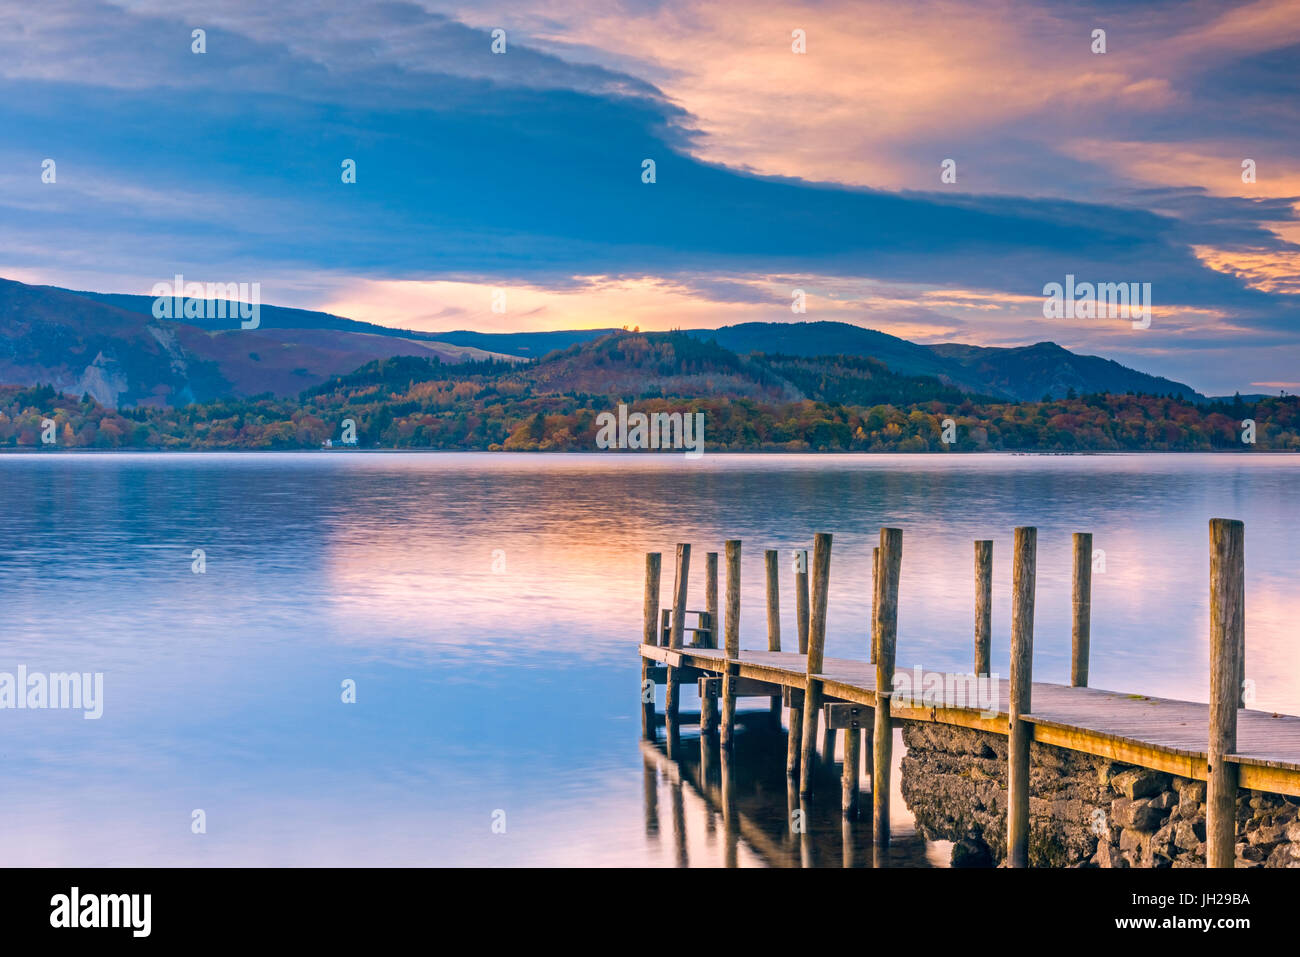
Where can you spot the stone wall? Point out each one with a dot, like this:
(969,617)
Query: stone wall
(1084,811)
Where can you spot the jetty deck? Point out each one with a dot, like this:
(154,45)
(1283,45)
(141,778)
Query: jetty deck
(1164,734)
(1224,743)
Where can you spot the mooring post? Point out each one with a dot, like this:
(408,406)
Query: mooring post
(770,558)
(875,602)
(1227,637)
(732,550)
(794,739)
(812,702)
(672,697)
(1081,626)
(1022,661)
(849,780)
(886,630)
(983,605)
(649,636)
(709,706)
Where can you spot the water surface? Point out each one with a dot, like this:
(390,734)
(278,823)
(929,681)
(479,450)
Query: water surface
(487,606)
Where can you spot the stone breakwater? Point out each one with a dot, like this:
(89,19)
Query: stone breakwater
(1084,811)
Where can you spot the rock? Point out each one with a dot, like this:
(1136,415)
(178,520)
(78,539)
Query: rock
(1248,852)
(1164,800)
(1137,814)
(1108,855)
(971,851)
(1292,832)
(1189,834)
(1267,837)
(1140,782)
(1192,792)
(1284,855)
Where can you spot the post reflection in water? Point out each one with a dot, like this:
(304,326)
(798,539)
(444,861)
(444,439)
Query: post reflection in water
(765,821)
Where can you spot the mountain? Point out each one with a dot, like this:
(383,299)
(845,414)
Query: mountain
(110,346)
(751,402)
(1028,373)
(116,351)
(1025,373)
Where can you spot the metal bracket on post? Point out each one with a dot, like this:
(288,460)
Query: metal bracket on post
(846,715)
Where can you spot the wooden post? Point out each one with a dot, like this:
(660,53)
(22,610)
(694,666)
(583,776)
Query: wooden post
(1227,631)
(649,636)
(1022,662)
(801,598)
(732,550)
(673,691)
(770,558)
(885,628)
(794,739)
(711,596)
(1081,627)
(875,601)
(983,605)
(812,704)
(849,782)
(709,707)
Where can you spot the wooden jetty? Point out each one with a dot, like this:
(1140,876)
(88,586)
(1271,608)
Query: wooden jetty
(1223,743)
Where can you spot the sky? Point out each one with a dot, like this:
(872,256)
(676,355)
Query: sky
(517,178)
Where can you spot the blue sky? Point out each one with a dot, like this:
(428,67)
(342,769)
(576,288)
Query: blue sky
(774,170)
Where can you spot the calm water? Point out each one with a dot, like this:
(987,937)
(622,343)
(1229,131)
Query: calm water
(482,690)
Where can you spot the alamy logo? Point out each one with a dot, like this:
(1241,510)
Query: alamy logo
(933,689)
(1103,300)
(214,300)
(74,909)
(657,430)
(57,690)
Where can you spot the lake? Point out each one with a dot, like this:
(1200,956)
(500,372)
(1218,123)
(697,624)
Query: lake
(487,608)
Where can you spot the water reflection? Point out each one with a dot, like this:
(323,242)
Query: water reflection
(763,817)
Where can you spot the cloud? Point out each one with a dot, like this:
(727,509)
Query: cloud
(524,170)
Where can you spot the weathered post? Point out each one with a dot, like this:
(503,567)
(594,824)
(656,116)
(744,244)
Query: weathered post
(709,706)
(732,550)
(849,781)
(711,596)
(885,617)
(770,558)
(649,636)
(1227,631)
(1081,622)
(983,605)
(821,573)
(875,601)
(794,739)
(672,697)
(1022,659)
(801,598)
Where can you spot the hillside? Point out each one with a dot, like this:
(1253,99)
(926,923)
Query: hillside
(111,346)
(124,357)
(757,402)
(1031,372)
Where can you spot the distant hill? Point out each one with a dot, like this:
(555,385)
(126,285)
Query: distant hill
(110,346)
(1024,373)
(752,402)
(113,349)
(1030,372)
